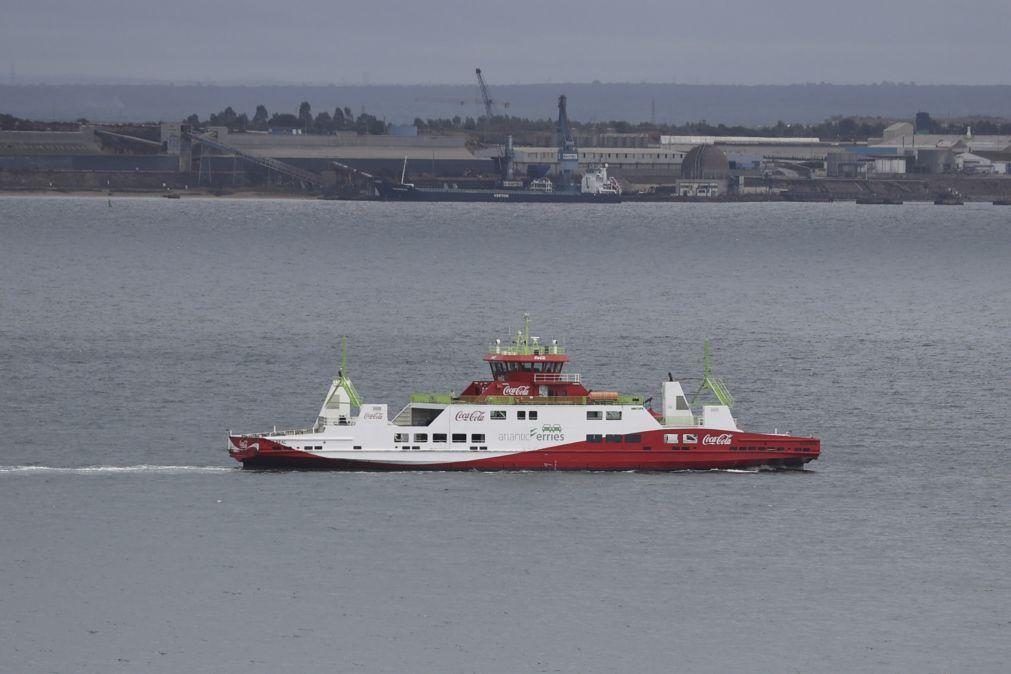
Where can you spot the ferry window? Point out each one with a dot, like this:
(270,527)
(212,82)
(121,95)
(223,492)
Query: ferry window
(670,438)
(521,415)
(594,416)
(459,437)
(691,437)
(421,437)
(401,437)
(438,437)
(477,437)
(532,416)
(682,404)
(633,437)
(613,438)
(593,437)
(613,415)
(498,414)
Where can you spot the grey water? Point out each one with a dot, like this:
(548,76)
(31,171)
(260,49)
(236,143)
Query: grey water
(134,334)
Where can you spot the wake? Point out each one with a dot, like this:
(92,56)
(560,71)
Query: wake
(111,470)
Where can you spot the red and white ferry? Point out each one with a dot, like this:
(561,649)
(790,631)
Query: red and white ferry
(529,415)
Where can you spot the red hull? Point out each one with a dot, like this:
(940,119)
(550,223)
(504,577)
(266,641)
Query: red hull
(745,450)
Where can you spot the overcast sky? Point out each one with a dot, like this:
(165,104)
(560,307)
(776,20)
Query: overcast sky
(513,41)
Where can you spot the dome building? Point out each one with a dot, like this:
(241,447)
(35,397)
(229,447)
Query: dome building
(705,162)
(704,172)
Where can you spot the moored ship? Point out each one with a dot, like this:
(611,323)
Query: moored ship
(595,188)
(529,415)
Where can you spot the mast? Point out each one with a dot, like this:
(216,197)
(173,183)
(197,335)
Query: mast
(711,382)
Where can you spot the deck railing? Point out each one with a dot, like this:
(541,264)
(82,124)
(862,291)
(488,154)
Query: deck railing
(449,399)
(555,377)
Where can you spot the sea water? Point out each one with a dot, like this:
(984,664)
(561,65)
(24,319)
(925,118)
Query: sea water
(133,336)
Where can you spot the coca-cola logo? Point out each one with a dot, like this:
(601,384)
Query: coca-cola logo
(476,415)
(516,390)
(723,439)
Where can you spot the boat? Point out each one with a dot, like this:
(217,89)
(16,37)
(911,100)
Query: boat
(596,188)
(1002,202)
(948,197)
(807,196)
(528,415)
(879,201)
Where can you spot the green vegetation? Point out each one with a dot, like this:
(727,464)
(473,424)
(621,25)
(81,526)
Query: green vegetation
(324,122)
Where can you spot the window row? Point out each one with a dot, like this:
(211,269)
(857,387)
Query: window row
(522,415)
(437,437)
(688,438)
(610,415)
(630,438)
(500,367)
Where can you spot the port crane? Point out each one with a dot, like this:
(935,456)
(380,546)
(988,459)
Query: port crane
(485,100)
(568,154)
(489,104)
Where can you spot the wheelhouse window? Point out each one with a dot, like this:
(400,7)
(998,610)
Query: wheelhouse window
(438,437)
(459,437)
(498,414)
(421,437)
(532,415)
(477,437)
(521,415)
(614,415)
(594,415)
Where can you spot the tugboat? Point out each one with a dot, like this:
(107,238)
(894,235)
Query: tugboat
(949,197)
(529,415)
(878,201)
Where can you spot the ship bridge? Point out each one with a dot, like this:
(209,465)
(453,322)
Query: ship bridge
(526,368)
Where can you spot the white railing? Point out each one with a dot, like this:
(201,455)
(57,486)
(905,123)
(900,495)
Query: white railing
(554,377)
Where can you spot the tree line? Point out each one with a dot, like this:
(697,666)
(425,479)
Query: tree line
(341,119)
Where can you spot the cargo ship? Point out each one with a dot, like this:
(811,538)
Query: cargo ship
(529,414)
(595,188)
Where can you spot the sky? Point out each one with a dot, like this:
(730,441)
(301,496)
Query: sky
(513,41)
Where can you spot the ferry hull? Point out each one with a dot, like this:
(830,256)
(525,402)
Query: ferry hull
(751,451)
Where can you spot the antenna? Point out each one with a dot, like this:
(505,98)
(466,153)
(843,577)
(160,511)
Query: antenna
(344,355)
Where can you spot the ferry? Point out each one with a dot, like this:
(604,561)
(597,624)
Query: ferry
(529,414)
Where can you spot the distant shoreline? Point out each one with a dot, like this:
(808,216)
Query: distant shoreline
(151,194)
